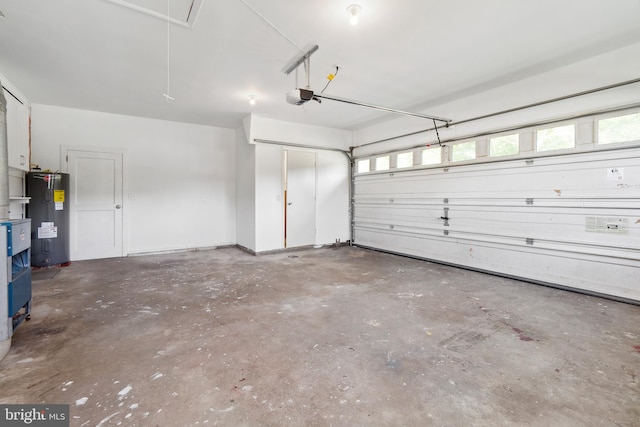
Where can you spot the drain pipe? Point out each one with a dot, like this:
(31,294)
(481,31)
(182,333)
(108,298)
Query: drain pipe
(6,326)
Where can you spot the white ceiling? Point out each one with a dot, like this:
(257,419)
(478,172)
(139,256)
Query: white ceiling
(405,54)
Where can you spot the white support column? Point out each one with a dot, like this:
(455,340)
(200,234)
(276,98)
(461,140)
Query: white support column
(4,158)
(6,326)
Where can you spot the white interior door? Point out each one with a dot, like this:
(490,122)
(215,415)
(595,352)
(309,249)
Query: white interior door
(96,204)
(300,227)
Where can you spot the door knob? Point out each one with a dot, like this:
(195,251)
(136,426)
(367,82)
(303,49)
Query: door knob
(118,206)
(289,204)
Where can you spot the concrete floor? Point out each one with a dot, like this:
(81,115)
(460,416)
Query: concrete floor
(322,337)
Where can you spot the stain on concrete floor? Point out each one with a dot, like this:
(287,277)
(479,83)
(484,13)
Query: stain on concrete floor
(334,337)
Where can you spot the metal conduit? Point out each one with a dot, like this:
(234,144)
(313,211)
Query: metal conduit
(511,110)
(381,108)
(346,153)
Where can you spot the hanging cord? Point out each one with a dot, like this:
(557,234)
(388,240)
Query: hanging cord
(167,94)
(435,126)
(330,77)
(253,9)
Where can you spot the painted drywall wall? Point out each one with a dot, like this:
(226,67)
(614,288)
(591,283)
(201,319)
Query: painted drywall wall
(269,206)
(179,179)
(332,183)
(332,197)
(245,191)
(605,69)
(297,133)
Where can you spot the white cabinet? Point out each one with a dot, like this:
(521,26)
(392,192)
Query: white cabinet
(18,146)
(17,198)
(17,133)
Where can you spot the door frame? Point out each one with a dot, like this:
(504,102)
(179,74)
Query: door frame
(64,166)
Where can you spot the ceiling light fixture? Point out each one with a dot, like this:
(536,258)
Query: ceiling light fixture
(354,11)
(252,99)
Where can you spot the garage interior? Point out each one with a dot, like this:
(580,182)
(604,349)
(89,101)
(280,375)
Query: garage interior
(279,216)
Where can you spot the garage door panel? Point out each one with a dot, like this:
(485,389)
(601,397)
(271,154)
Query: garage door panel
(557,220)
(561,225)
(606,275)
(576,176)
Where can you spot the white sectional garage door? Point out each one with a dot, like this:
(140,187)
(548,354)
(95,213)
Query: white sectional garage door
(571,221)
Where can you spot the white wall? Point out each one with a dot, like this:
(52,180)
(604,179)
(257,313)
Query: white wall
(332,198)
(245,191)
(278,130)
(609,68)
(332,183)
(179,179)
(269,198)
(189,186)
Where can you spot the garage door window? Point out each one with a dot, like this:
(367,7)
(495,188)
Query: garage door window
(463,151)
(363,166)
(505,145)
(404,160)
(432,156)
(382,163)
(556,138)
(619,129)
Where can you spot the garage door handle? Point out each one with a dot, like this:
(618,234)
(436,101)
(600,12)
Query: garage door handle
(445,217)
(118,206)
